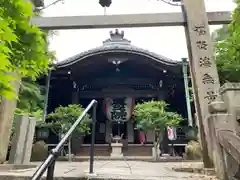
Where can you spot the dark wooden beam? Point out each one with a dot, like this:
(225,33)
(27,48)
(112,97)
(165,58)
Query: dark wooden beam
(119,81)
(134,94)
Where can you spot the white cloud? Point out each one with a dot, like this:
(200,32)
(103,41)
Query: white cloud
(167,41)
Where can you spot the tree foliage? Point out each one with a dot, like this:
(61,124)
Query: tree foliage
(227,49)
(66,116)
(153,115)
(23,47)
(31,97)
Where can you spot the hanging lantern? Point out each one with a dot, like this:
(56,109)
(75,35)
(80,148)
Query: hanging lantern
(119,109)
(105,3)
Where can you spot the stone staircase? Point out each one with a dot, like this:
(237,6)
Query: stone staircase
(137,150)
(105,150)
(99,150)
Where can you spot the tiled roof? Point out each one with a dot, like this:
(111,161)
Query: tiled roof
(117,43)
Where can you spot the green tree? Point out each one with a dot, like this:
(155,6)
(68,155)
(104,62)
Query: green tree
(31,97)
(220,34)
(227,49)
(65,117)
(23,48)
(153,116)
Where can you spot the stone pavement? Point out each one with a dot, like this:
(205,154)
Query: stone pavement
(118,170)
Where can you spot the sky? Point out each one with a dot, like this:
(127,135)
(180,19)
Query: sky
(167,41)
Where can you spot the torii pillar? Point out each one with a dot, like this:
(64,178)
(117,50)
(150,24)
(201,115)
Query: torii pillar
(7,108)
(203,67)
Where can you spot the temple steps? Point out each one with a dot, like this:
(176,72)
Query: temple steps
(99,150)
(105,150)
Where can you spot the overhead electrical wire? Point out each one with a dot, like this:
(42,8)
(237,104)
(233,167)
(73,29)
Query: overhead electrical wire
(51,4)
(171,3)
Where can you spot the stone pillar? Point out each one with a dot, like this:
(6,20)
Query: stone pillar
(7,108)
(218,120)
(29,140)
(130,131)
(230,94)
(186,87)
(22,141)
(203,67)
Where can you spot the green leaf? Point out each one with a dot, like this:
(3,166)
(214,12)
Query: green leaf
(227,46)
(23,48)
(66,116)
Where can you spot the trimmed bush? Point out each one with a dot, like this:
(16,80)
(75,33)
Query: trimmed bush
(194,151)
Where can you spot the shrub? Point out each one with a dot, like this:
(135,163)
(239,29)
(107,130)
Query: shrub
(194,151)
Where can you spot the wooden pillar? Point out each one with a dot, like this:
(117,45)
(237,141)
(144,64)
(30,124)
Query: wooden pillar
(75,93)
(108,131)
(47,88)
(203,67)
(130,131)
(186,87)
(75,97)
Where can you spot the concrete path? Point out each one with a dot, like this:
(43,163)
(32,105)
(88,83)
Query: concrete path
(128,170)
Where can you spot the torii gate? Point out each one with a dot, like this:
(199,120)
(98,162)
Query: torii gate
(195,19)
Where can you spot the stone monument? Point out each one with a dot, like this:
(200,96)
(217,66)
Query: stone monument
(22,141)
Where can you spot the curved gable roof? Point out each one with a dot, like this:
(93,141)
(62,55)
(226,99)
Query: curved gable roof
(117,43)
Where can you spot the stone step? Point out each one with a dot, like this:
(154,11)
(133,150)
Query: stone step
(108,178)
(118,170)
(105,150)
(126,158)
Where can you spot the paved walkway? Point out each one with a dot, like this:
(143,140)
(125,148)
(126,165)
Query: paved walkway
(128,170)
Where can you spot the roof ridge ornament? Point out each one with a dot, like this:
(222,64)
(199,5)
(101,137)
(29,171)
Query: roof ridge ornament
(116,38)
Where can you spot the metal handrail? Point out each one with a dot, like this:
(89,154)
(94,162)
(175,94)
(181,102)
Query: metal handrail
(49,163)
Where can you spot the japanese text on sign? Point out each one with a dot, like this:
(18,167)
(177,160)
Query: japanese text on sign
(200,30)
(202,45)
(205,62)
(207,79)
(118,112)
(210,96)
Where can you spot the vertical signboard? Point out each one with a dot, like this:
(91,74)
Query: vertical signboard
(202,63)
